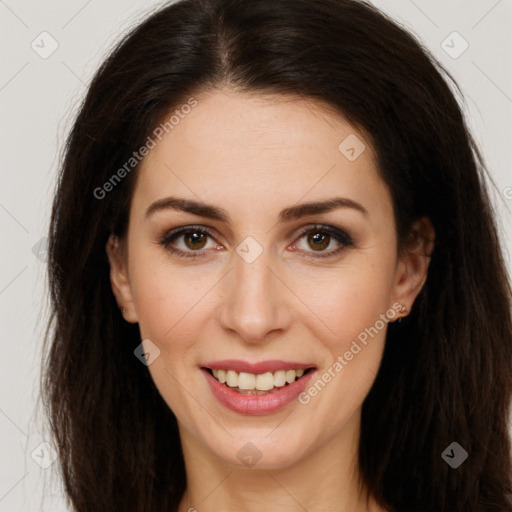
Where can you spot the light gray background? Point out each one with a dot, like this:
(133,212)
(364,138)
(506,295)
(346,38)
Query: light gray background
(38,97)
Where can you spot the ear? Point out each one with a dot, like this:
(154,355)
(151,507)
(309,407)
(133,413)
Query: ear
(412,268)
(119,279)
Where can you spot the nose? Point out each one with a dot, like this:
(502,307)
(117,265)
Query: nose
(256,301)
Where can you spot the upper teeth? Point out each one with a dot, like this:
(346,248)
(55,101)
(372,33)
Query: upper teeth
(262,382)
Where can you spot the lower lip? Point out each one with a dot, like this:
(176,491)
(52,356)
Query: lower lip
(257,404)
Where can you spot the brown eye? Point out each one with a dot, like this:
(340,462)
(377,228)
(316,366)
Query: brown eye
(188,242)
(318,241)
(319,238)
(197,239)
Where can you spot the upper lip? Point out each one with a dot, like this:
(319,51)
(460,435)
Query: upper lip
(256,368)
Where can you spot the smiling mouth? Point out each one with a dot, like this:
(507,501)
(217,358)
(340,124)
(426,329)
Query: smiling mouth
(257,384)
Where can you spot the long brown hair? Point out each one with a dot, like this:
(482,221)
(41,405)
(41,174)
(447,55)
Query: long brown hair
(446,374)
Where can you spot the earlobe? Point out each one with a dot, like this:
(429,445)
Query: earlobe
(412,270)
(119,279)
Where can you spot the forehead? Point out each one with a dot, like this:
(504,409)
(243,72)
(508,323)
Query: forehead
(266,149)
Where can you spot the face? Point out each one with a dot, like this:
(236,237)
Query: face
(247,276)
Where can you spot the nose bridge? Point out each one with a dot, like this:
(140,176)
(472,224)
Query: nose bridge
(254,300)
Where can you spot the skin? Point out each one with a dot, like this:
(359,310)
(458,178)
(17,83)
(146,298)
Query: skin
(254,156)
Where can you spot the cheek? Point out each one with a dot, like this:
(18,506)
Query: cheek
(164,295)
(347,299)
(336,303)
(170,314)
(351,314)
(352,334)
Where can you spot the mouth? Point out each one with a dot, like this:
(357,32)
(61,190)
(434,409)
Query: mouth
(266,383)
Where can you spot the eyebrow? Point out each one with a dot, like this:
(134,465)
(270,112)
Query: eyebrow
(291,213)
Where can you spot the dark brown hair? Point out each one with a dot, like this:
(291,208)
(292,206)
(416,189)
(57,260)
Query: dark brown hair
(446,374)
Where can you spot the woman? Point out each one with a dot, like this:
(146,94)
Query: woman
(275,274)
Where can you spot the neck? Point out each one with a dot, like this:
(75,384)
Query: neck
(326,478)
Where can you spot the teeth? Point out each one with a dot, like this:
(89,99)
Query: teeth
(264,381)
(232,379)
(280,378)
(245,381)
(290,376)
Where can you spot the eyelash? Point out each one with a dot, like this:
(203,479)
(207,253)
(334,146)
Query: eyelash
(340,236)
